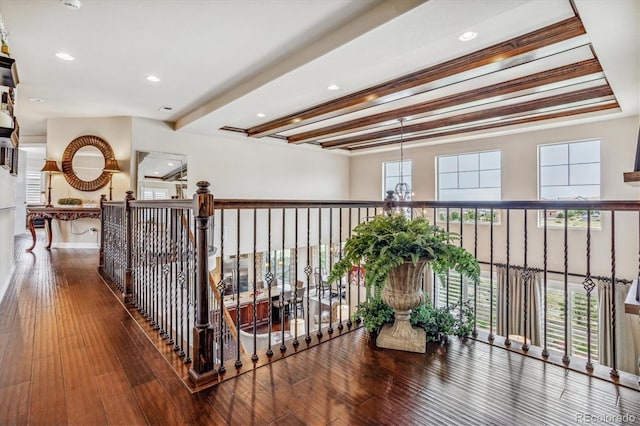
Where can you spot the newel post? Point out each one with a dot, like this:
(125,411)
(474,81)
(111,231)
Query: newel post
(201,370)
(103,198)
(128,219)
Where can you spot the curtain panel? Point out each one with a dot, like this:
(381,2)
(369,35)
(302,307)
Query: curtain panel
(516,281)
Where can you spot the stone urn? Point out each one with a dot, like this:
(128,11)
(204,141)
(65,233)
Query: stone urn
(403,292)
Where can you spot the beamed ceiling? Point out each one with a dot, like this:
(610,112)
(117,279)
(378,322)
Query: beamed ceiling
(261,70)
(545,74)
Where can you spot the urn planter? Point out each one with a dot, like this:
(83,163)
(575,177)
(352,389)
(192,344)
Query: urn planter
(403,292)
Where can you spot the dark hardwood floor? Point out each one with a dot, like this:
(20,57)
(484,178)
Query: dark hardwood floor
(71,354)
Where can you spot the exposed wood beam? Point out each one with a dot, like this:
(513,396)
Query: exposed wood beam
(567,72)
(407,85)
(495,125)
(378,15)
(548,102)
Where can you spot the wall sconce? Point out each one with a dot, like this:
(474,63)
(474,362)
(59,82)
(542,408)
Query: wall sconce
(111,167)
(50,166)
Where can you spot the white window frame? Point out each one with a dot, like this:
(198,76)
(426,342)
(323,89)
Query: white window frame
(456,212)
(559,223)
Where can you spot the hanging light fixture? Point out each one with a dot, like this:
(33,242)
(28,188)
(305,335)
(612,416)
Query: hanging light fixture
(402,192)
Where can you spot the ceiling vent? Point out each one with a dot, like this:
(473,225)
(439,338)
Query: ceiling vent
(165,108)
(72,4)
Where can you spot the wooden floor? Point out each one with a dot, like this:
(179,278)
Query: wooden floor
(70,354)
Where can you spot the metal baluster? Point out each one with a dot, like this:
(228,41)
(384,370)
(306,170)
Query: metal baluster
(433,274)
(320,283)
(565,357)
(308,271)
(507,341)
(461,242)
(238,362)
(491,336)
(180,287)
(447,278)
(588,285)
(283,311)
(224,330)
(349,321)
(614,369)
(294,286)
(330,329)
(526,275)
(358,320)
(475,282)
(254,357)
(269,280)
(191,282)
(545,350)
(165,274)
(340,325)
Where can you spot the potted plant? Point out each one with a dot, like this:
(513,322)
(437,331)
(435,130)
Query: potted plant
(394,250)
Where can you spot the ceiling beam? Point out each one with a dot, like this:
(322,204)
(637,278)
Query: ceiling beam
(548,102)
(567,72)
(495,125)
(384,12)
(407,85)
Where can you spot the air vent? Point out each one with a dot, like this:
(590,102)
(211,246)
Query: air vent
(165,108)
(72,4)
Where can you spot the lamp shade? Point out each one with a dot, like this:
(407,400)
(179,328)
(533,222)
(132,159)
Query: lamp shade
(111,166)
(51,166)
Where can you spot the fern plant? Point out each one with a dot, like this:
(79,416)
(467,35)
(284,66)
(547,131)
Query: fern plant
(387,241)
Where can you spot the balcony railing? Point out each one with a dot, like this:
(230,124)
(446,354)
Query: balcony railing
(235,284)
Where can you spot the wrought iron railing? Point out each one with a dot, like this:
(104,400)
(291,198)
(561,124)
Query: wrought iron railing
(219,280)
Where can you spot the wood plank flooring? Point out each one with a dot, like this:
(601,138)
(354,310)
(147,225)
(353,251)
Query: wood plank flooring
(71,354)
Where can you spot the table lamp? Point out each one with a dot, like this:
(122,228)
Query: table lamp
(111,167)
(50,166)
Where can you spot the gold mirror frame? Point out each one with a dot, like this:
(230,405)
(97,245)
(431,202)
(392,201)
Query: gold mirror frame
(67,158)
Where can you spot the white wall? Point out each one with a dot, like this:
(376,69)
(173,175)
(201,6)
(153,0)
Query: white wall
(239,167)
(7,226)
(519,182)
(60,132)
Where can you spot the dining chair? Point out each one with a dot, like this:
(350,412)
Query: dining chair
(281,303)
(299,299)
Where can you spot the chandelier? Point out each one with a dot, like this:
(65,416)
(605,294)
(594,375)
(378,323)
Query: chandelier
(402,191)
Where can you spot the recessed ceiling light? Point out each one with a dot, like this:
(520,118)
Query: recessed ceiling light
(466,36)
(65,56)
(261,115)
(153,78)
(296,120)
(72,4)
(36,100)
(156,173)
(333,87)
(170,164)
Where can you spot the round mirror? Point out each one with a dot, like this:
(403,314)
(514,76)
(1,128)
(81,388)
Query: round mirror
(83,163)
(87,163)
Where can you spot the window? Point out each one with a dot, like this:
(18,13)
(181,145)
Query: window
(394,174)
(155,194)
(483,288)
(577,313)
(473,176)
(570,171)
(33,187)
(281,264)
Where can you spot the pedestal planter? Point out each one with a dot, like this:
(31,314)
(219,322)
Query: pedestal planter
(403,292)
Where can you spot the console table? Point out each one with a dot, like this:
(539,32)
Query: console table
(59,213)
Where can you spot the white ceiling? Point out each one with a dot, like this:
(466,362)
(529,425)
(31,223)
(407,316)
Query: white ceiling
(227,60)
